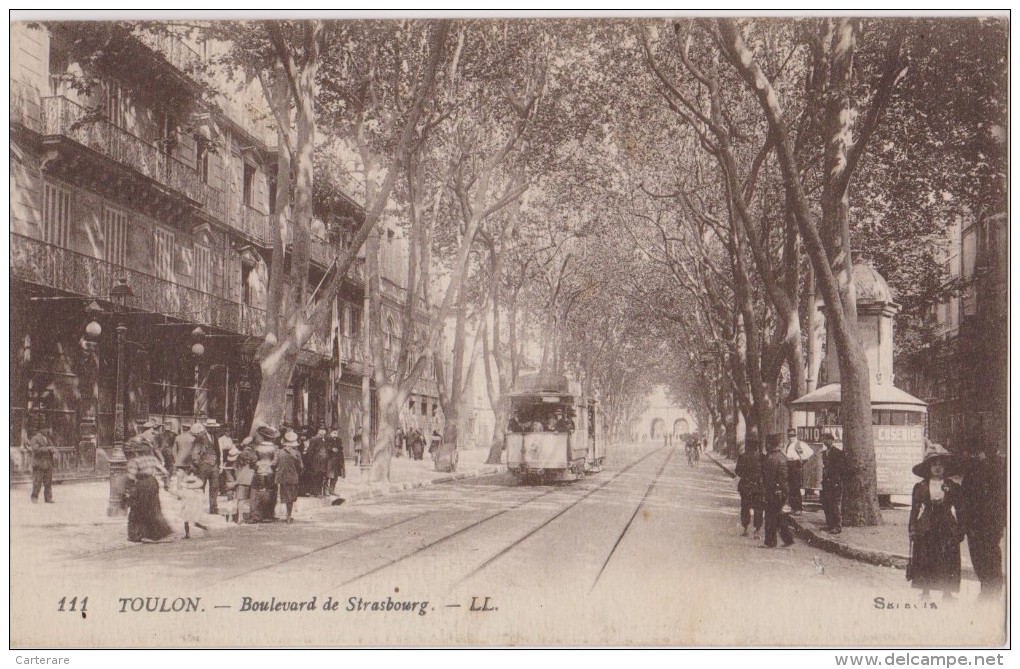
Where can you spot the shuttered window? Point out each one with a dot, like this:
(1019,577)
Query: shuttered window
(203,268)
(115,233)
(56,214)
(164,253)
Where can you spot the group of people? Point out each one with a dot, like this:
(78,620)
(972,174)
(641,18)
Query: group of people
(202,462)
(412,443)
(943,512)
(559,420)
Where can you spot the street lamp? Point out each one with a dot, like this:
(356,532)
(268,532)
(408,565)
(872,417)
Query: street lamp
(118,462)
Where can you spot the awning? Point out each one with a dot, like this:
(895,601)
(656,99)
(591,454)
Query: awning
(882,397)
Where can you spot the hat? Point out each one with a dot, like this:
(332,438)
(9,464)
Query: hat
(828,436)
(934,453)
(267,433)
(791,432)
(290,439)
(233,453)
(211,422)
(197,428)
(152,422)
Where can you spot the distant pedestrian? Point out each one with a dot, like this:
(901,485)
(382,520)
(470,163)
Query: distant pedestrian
(42,447)
(833,468)
(165,440)
(263,487)
(205,455)
(750,486)
(797,453)
(775,481)
(937,524)
(358,445)
(145,515)
(315,461)
(184,443)
(288,472)
(245,474)
(984,495)
(398,443)
(335,466)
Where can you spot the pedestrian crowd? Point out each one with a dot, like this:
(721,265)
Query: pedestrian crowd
(943,511)
(202,466)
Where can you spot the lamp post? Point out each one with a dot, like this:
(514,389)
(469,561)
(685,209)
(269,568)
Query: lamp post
(89,394)
(118,462)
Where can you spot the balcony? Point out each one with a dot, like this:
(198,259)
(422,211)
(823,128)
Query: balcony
(253,224)
(173,49)
(64,118)
(44,264)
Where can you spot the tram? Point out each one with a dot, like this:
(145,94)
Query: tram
(555,433)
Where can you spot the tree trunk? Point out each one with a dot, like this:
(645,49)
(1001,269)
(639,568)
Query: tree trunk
(277,368)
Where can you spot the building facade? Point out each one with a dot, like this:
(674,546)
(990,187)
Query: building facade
(172,197)
(963,374)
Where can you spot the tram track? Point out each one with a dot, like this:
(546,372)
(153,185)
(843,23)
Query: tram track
(481,521)
(626,527)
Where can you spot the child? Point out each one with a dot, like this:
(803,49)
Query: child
(190,492)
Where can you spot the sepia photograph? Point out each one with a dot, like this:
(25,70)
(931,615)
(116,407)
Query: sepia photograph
(505,330)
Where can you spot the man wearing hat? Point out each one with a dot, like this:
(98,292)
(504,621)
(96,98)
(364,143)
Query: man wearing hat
(205,457)
(288,472)
(833,465)
(42,448)
(797,453)
(775,481)
(984,495)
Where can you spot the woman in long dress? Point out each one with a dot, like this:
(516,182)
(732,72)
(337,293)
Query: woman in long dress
(937,525)
(145,519)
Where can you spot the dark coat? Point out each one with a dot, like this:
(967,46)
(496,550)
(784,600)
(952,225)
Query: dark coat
(317,455)
(774,478)
(936,534)
(749,471)
(335,459)
(288,466)
(984,497)
(42,451)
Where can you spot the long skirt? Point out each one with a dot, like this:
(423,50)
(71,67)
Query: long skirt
(145,519)
(935,564)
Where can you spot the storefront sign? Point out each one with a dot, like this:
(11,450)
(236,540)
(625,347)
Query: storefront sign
(897,449)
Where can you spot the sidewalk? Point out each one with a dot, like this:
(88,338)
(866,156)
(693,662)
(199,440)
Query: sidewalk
(79,522)
(886,545)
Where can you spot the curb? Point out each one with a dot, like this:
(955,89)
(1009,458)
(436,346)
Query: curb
(395,488)
(812,538)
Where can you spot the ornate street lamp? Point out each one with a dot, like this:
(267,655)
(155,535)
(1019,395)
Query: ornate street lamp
(118,461)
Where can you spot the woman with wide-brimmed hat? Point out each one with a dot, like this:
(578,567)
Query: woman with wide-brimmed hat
(937,524)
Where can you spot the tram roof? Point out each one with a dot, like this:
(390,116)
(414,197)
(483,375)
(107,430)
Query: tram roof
(545,383)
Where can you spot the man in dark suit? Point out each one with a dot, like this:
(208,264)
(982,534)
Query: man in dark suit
(774,477)
(41,445)
(833,464)
(288,472)
(750,485)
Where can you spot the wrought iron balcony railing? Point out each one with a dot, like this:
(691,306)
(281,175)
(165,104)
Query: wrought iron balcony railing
(67,119)
(174,49)
(44,264)
(252,223)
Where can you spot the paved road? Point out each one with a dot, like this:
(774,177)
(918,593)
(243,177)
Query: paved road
(646,552)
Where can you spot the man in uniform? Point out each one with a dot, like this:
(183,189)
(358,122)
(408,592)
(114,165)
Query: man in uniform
(41,445)
(833,464)
(775,480)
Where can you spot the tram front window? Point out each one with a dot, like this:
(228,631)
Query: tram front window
(539,416)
